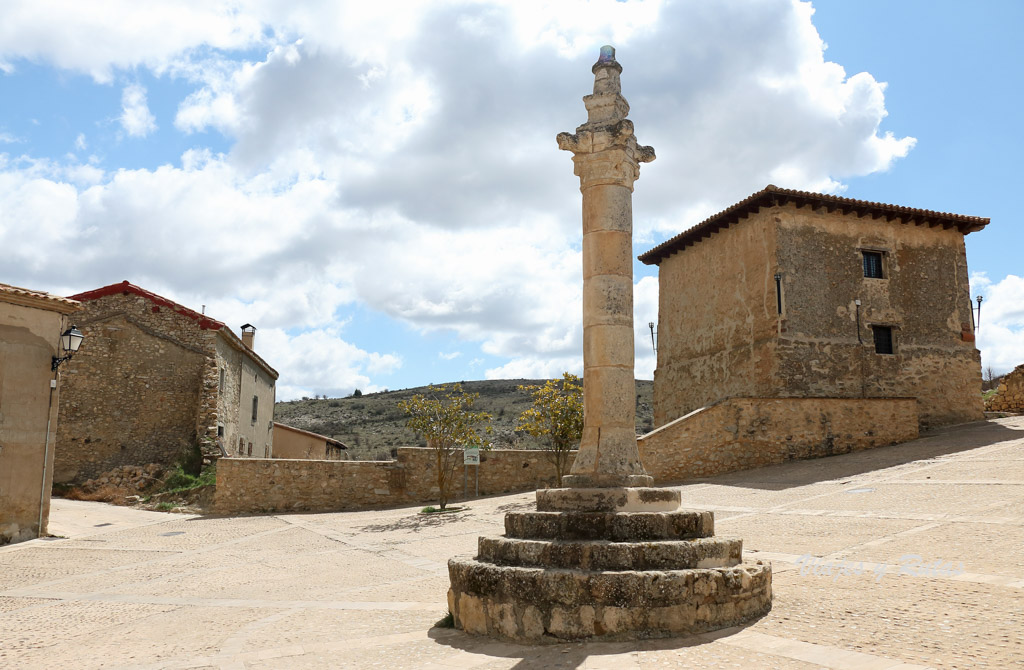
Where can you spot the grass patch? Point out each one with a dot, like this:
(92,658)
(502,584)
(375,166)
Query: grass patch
(447,621)
(165,506)
(179,480)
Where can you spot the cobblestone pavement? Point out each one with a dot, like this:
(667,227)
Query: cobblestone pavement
(127,589)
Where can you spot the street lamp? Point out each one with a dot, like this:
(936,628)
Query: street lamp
(70,341)
(977,326)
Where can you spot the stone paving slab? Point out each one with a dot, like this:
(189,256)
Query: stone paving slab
(362,589)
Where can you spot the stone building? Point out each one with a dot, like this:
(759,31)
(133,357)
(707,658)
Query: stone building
(790,294)
(158,377)
(1009,397)
(291,442)
(31,323)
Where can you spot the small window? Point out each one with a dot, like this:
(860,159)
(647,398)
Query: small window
(883,339)
(220,389)
(241,446)
(250,449)
(255,407)
(220,431)
(873,264)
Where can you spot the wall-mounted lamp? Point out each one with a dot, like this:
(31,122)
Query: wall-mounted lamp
(650,324)
(977,324)
(70,341)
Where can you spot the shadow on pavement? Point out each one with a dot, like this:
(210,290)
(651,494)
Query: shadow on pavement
(933,444)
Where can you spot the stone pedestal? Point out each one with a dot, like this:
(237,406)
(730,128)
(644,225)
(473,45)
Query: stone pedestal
(608,556)
(583,567)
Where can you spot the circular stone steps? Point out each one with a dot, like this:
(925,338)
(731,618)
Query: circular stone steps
(709,552)
(612,526)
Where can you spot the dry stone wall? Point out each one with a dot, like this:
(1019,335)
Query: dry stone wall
(743,433)
(247,485)
(1009,397)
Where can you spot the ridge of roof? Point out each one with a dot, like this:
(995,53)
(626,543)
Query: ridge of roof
(329,440)
(205,322)
(773,195)
(30,298)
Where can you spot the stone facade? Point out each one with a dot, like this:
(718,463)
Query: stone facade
(150,385)
(31,324)
(1009,397)
(728,328)
(246,486)
(291,442)
(744,433)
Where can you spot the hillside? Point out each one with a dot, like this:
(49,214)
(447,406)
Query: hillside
(373,427)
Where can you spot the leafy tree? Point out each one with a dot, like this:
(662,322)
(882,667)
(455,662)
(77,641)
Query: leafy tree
(444,417)
(557,413)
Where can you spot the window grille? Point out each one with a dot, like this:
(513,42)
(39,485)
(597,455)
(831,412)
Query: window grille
(873,264)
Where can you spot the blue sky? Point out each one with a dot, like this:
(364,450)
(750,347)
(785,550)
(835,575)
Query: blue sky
(379,191)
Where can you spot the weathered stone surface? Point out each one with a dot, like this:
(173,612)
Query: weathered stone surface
(715,343)
(1009,396)
(608,500)
(709,552)
(743,433)
(553,605)
(612,526)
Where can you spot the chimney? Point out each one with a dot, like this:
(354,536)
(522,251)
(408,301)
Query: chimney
(248,334)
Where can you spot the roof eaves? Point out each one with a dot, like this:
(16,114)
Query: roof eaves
(772,195)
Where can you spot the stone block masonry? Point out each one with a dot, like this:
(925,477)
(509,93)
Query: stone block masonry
(1009,397)
(247,486)
(744,433)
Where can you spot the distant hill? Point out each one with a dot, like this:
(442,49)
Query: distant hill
(373,427)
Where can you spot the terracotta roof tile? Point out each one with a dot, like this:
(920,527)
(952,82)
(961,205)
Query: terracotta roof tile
(773,195)
(24,295)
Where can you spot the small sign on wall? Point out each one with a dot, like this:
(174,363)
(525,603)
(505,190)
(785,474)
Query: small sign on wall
(471,456)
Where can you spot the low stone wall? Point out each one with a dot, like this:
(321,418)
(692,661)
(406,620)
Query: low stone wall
(1009,397)
(735,434)
(249,485)
(743,433)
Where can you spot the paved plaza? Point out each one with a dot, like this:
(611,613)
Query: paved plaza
(131,589)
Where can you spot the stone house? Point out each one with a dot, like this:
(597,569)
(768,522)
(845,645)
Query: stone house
(291,442)
(31,323)
(158,377)
(790,294)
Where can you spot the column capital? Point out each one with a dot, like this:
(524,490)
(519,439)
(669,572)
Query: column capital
(605,148)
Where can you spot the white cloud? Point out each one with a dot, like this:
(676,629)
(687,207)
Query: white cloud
(7,138)
(1001,330)
(80,143)
(136,118)
(451,356)
(405,161)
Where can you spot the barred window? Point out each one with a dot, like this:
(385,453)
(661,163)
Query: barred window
(873,264)
(883,339)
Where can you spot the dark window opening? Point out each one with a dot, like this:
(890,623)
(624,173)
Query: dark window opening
(255,407)
(873,264)
(883,339)
(220,431)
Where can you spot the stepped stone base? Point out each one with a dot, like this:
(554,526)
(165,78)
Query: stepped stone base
(580,569)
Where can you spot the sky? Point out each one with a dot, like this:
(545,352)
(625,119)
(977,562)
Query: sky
(377,188)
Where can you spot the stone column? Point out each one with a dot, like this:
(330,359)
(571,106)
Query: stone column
(607,161)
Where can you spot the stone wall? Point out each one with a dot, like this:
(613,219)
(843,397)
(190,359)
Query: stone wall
(743,433)
(721,334)
(1009,397)
(131,393)
(247,485)
(717,320)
